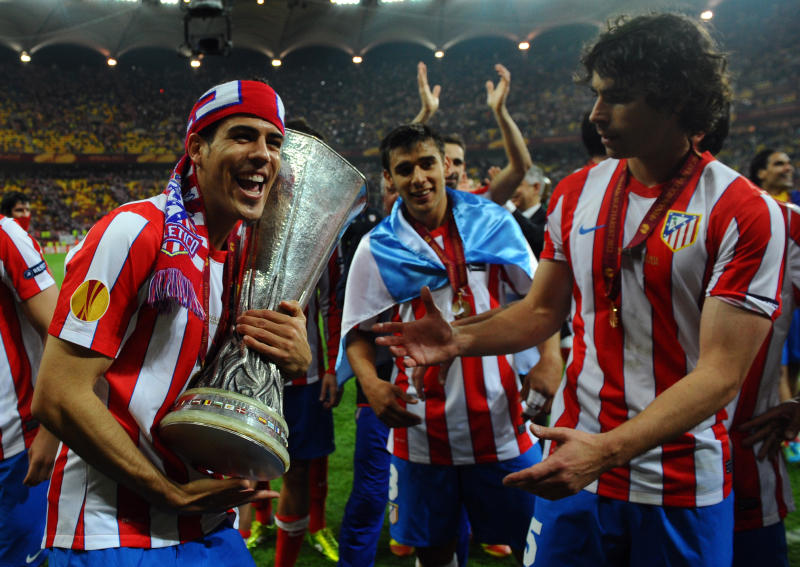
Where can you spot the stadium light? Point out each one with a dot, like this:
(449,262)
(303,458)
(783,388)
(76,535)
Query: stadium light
(439,54)
(706,15)
(24,57)
(524,45)
(277,62)
(111,62)
(346,2)
(195,63)
(357,59)
(259,2)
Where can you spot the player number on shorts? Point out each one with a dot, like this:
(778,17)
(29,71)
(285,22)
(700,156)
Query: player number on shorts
(530,543)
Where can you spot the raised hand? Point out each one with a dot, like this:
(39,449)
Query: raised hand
(496,95)
(429,99)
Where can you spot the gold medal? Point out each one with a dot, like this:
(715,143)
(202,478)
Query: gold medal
(461,307)
(613,316)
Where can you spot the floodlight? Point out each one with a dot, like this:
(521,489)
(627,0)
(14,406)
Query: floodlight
(277,62)
(706,15)
(524,45)
(346,2)
(24,57)
(439,54)
(195,63)
(111,62)
(357,59)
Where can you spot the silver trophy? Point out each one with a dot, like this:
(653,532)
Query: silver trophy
(230,420)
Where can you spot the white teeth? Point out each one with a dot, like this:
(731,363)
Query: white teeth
(255,178)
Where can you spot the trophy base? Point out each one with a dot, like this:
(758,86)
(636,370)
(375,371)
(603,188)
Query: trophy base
(227,433)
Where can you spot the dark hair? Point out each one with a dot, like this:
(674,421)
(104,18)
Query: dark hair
(456,139)
(715,139)
(302,125)
(758,163)
(671,59)
(405,137)
(591,139)
(10,201)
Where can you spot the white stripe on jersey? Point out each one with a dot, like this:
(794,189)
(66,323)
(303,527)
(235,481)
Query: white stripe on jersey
(12,439)
(106,266)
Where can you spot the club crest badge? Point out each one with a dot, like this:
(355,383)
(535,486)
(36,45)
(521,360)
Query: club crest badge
(90,301)
(680,229)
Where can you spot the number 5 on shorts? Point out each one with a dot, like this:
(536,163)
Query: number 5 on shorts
(530,542)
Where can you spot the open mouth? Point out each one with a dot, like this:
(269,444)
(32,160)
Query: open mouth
(421,194)
(252,185)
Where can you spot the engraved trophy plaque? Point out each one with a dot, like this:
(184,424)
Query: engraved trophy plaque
(230,419)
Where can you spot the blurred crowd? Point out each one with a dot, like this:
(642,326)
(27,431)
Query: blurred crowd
(139,110)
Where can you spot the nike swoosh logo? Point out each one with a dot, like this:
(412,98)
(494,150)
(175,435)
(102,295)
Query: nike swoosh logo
(582,230)
(31,558)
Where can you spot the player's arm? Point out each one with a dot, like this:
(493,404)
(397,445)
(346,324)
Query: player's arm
(729,341)
(382,395)
(65,402)
(429,99)
(42,452)
(526,323)
(545,376)
(505,182)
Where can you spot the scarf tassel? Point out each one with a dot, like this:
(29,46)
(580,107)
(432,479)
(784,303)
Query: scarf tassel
(170,285)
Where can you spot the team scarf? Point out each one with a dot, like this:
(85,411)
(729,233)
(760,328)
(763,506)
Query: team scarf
(181,269)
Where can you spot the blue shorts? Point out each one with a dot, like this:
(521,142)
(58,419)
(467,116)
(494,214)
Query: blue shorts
(223,546)
(23,511)
(587,530)
(762,546)
(426,501)
(310,424)
(791,348)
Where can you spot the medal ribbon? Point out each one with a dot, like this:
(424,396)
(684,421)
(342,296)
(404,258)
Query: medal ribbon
(612,250)
(456,265)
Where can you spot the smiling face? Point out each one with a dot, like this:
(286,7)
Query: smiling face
(628,126)
(235,171)
(418,175)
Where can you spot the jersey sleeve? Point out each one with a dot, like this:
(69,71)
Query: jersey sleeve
(23,268)
(747,238)
(104,276)
(793,250)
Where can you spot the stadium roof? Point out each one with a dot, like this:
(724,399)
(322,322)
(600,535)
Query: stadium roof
(278,27)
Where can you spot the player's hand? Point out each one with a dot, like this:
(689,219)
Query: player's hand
(465,183)
(216,495)
(41,456)
(383,398)
(491,174)
(330,395)
(496,95)
(579,459)
(429,99)
(424,342)
(544,378)
(281,337)
(772,427)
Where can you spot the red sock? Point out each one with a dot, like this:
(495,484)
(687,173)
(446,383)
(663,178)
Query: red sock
(264,510)
(318,492)
(245,533)
(291,530)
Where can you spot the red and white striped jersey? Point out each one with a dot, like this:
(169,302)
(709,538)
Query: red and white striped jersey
(476,416)
(761,489)
(323,337)
(715,240)
(23,273)
(102,306)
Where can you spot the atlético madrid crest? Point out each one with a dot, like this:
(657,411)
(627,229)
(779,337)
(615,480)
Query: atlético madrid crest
(680,229)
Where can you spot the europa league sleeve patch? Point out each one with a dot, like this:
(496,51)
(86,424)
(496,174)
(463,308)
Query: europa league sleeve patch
(90,301)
